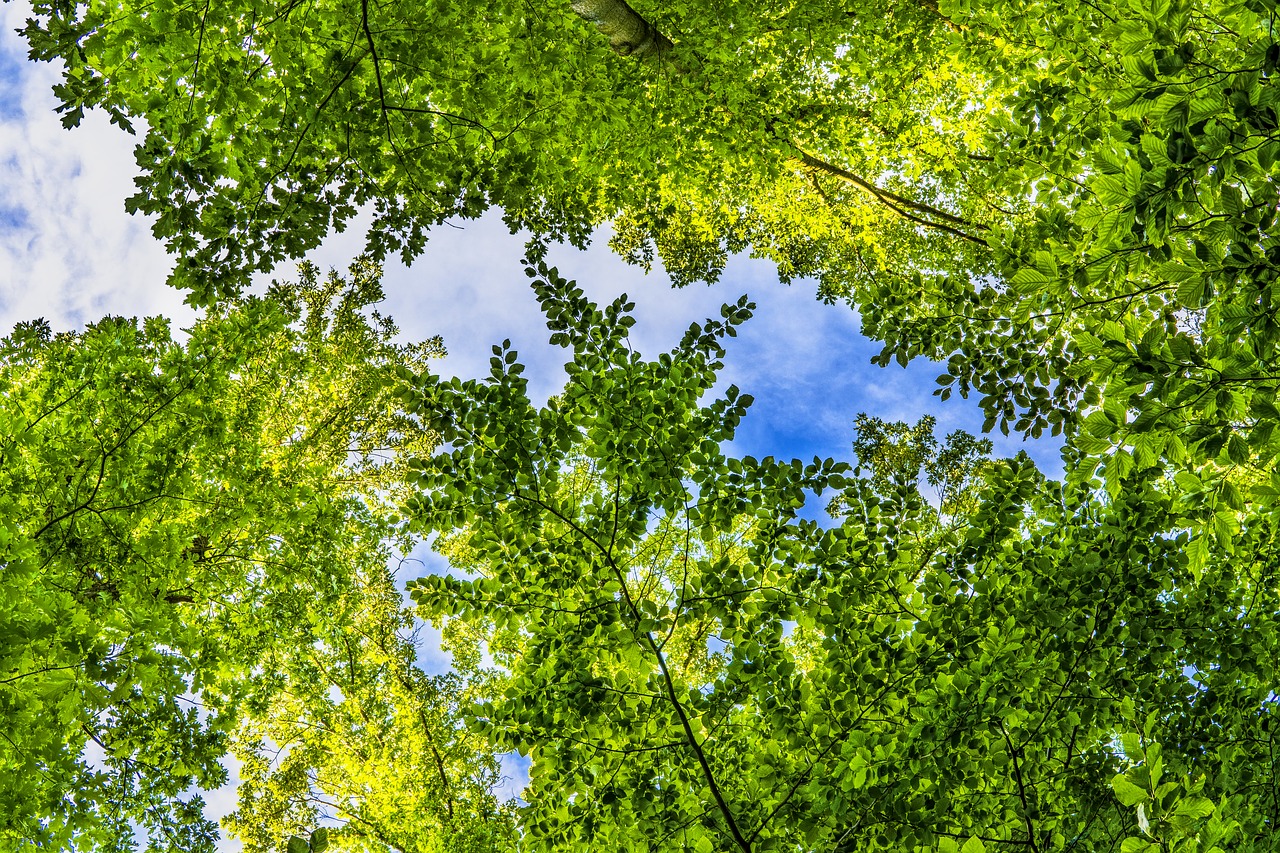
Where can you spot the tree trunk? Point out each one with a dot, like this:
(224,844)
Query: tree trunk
(628,33)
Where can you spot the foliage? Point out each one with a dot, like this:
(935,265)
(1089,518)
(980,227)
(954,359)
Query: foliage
(366,107)
(354,735)
(1138,293)
(1072,210)
(693,664)
(1171,814)
(897,456)
(176,514)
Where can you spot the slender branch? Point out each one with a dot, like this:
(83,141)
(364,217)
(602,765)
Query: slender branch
(59,405)
(898,204)
(690,738)
(377,66)
(297,145)
(195,71)
(106,454)
(697,748)
(41,671)
(804,776)
(1022,791)
(102,472)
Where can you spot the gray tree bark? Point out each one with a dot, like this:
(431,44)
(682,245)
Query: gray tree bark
(627,32)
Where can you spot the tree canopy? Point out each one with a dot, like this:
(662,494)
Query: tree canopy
(695,665)
(1072,209)
(1067,209)
(963,656)
(191,527)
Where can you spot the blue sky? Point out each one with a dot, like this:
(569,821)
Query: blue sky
(69,253)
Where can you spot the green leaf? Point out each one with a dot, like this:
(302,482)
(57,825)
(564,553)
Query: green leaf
(1194,807)
(1238,449)
(1197,555)
(1191,291)
(1099,425)
(1127,792)
(1029,280)
(1177,272)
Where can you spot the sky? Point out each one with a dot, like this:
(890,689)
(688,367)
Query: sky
(70,253)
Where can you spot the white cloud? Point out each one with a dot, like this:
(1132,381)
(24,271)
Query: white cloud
(806,363)
(222,802)
(514,775)
(68,251)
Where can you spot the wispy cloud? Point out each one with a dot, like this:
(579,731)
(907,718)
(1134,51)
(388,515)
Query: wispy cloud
(68,251)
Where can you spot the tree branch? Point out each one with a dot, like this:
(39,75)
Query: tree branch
(1022,791)
(690,738)
(895,202)
(377,67)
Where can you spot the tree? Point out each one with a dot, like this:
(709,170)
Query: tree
(354,735)
(1136,291)
(177,517)
(711,147)
(1074,230)
(1083,235)
(693,664)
